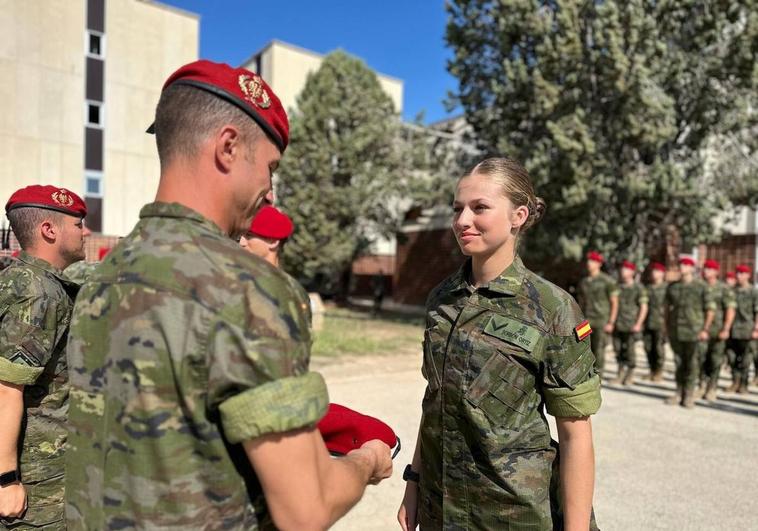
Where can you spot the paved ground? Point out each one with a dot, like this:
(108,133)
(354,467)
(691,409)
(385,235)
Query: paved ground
(658,466)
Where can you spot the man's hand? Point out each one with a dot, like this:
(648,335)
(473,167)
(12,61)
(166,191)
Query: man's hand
(12,501)
(637,328)
(608,328)
(724,335)
(381,456)
(755,333)
(703,335)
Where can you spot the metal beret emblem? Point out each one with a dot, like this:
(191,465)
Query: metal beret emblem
(252,88)
(62,198)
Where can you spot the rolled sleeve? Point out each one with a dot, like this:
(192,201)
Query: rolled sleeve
(17,374)
(275,407)
(581,401)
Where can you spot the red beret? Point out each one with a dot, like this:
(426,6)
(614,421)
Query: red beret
(270,222)
(595,256)
(686,260)
(629,265)
(730,274)
(102,252)
(743,268)
(657,266)
(15,253)
(49,197)
(243,89)
(345,430)
(711,264)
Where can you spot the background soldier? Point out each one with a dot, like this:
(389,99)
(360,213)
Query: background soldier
(744,329)
(192,404)
(723,317)
(35,307)
(598,297)
(632,311)
(689,314)
(654,334)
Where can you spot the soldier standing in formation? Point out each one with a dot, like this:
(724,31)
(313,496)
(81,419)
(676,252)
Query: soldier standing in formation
(654,335)
(689,314)
(633,309)
(723,316)
(598,297)
(744,329)
(36,300)
(500,343)
(192,403)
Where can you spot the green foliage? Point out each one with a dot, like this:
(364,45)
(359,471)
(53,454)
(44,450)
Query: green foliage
(346,172)
(615,108)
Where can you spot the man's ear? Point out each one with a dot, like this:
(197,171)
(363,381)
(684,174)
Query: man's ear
(227,147)
(273,245)
(49,230)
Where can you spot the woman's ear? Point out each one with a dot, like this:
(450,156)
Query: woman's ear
(519,216)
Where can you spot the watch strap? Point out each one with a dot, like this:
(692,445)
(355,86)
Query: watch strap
(8,478)
(410,475)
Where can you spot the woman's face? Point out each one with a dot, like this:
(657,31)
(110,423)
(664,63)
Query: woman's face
(484,220)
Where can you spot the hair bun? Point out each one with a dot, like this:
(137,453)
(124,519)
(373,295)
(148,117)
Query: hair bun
(536,212)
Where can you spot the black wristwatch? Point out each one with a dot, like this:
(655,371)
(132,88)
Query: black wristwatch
(9,478)
(410,475)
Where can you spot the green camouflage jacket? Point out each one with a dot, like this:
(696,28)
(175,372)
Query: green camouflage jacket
(493,357)
(655,312)
(183,345)
(630,299)
(687,306)
(594,296)
(724,298)
(35,309)
(746,303)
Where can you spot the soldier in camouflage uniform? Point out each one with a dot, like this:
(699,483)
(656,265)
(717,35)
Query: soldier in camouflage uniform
(723,316)
(498,347)
(192,405)
(598,297)
(632,311)
(689,314)
(744,329)
(35,308)
(654,333)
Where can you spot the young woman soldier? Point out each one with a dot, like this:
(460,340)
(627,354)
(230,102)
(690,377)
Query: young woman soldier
(500,343)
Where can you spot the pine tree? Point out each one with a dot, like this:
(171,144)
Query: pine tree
(614,108)
(346,176)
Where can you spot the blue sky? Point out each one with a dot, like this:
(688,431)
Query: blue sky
(400,38)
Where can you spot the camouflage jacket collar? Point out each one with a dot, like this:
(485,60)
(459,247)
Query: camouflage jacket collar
(508,283)
(39,263)
(175,210)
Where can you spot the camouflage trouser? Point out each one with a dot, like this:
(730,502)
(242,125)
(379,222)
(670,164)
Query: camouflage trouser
(598,340)
(46,507)
(623,344)
(712,359)
(754,347)
(742,359)
(687,359)
(654,348)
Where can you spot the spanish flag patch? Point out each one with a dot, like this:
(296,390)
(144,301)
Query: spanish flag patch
(583,330)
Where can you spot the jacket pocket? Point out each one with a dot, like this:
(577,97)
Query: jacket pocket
(499,389)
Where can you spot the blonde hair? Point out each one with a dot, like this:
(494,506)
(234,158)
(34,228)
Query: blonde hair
(516,184)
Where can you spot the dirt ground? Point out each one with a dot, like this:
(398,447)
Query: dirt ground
(658,466)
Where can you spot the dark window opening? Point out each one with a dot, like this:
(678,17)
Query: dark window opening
(93,114)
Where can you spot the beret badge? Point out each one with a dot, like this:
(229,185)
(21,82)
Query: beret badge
(62,198)
(254,92)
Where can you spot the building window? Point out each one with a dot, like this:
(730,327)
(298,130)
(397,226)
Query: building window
(95,44)
(94,113)
(93,183)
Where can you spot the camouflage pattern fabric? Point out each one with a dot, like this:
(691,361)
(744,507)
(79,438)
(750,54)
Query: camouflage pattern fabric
(654,341)
(746,300)
(493,357)
(594,296)
(687,306)
(656,300)
(80,272)
(631,298)
(713,353)
(183,345)
(35,309)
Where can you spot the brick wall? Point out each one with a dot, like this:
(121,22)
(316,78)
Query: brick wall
(732,250)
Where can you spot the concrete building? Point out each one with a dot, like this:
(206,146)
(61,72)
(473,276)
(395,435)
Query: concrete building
(285,67)
(80,82)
